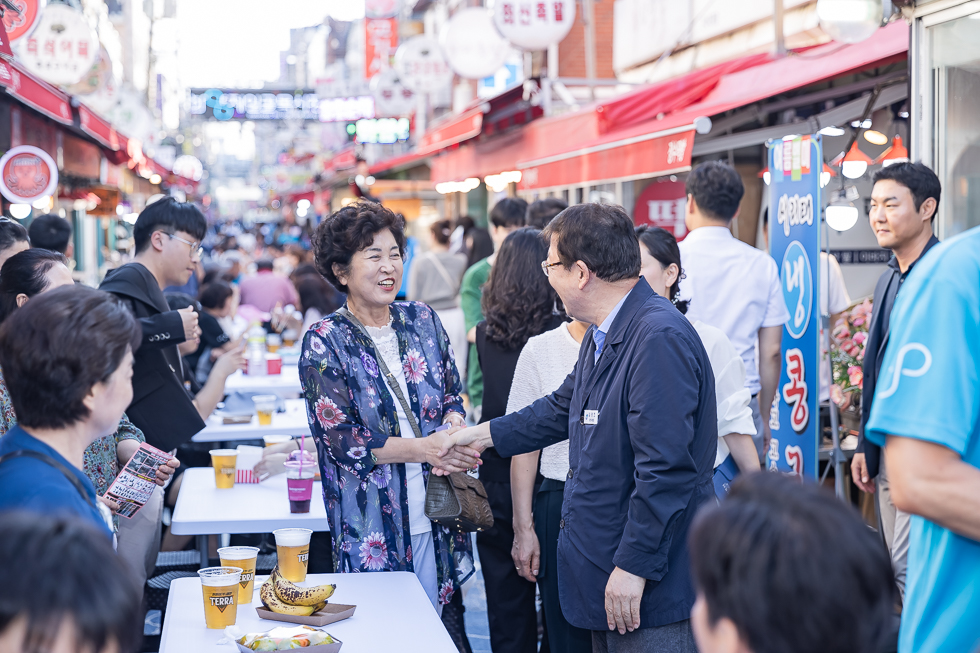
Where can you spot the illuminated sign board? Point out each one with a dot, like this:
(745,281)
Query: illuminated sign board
(382,130)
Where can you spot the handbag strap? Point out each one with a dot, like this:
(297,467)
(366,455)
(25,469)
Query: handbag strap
(444,273)
(45,458)
(392,380)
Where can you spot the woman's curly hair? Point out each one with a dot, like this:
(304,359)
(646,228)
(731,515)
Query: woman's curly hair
(518,302)
(348,231)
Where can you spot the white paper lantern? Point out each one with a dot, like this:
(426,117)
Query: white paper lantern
(534,25)
(392,99)
(421,65)
(849,21)
(472,45)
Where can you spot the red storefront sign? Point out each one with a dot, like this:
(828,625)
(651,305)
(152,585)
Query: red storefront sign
(97,128)
(662,204)
(27,174)
(648,155)
(457,130)
(36,94)
(380,43)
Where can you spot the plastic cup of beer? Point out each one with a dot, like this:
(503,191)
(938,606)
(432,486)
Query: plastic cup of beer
(273,342)
(272,440)
(289,337)
(243,557)
(220,586)
(299,485)
(265,405)
(223,461)
(293,550)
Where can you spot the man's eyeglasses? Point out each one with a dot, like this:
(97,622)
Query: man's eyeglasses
(195,247)
(546,267)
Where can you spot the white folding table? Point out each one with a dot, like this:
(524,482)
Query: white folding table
(202,509)
(285,383)
(291,422)
(393,614)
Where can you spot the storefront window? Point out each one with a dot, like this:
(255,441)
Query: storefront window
(951,44)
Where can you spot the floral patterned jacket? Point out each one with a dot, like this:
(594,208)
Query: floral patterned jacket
(351,412)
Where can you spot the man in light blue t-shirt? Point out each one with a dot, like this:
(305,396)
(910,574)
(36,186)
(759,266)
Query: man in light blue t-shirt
(927,405)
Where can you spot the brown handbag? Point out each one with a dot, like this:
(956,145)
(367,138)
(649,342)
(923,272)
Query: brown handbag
(458,501)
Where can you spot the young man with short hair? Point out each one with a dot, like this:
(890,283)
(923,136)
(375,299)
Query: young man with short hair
(167,236)
(767,582)
(904,201)
(926,413)
(733,286)
(51,232)
(509,214)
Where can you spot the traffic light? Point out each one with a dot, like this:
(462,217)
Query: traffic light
(351,132)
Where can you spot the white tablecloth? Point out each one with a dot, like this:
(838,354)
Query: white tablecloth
(287,382)
(393,614)
(291,422)
(203,509)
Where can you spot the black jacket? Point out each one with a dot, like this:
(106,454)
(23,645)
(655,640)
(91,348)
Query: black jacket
(161,407)
(886,290)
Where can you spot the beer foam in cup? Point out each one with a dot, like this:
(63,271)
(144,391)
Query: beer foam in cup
(238,552)
(224,452)
(292,536)
(276,439)
(220,576)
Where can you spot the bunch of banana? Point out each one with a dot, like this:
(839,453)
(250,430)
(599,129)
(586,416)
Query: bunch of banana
(283,597)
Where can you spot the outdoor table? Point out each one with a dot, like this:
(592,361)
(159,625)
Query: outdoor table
(393,614)
(291,422)
(285,383)
(202,509)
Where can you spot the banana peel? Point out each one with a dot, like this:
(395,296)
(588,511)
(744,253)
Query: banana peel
(273,603)
(292,594)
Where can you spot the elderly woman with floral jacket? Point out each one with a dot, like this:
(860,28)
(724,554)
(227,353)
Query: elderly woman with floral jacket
(373,467)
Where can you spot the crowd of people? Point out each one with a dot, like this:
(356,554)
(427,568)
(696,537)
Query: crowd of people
(607,384)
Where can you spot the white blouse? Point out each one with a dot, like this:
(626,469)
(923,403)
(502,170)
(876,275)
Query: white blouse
(386,343)
(542,367)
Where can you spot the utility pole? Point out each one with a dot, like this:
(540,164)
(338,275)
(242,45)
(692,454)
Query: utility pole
(778,24)
(588,21)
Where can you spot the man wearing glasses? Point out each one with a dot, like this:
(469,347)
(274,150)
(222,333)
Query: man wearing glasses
(168,236)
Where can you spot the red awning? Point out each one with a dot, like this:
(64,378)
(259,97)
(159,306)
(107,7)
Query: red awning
(98,128)
(480,159)
(459,128)
(399,162)
(33,92)
(583,147)
(670,95)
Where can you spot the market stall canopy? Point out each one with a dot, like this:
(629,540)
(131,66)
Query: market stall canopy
(39,95)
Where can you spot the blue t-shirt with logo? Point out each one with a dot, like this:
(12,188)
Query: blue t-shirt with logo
(929,390)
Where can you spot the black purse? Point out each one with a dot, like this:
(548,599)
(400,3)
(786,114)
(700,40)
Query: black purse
(458,501)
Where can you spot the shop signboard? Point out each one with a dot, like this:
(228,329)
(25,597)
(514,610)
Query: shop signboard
(534,24)
(663,204)
(391,98)
(421,65)
(794,240)
(62,48)
(19,25)
(380,42)
(27,174)
(237,104)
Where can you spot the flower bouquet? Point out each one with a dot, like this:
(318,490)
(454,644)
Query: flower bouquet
(850,335)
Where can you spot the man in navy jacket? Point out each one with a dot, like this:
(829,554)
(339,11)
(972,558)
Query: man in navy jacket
(639,412)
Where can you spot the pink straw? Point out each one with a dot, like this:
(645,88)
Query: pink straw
(302,453)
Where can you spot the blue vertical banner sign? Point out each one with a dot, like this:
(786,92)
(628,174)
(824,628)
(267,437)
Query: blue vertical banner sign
(794,241)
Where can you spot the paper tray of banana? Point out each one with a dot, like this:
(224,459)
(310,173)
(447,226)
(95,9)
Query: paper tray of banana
(286,601)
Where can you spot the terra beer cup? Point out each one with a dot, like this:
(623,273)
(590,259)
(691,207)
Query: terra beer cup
(293,550)
(220,586)
(223,461)
(243,557)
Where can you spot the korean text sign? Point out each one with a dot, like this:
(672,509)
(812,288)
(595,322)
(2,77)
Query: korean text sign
(794,241)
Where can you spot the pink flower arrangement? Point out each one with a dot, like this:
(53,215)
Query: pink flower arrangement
(850,335)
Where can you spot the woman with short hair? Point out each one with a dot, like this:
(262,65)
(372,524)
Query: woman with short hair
(375,457)
(13,239)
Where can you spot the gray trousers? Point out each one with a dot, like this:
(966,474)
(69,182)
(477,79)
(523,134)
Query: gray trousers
(139,538)
(757,439)
(672,638)
(895,529)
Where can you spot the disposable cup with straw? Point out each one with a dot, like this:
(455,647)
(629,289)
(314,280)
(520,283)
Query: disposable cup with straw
(299,482)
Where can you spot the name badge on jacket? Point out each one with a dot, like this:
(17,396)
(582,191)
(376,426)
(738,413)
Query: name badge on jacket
(590,417)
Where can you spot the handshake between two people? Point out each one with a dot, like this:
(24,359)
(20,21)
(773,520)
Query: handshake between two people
(457,448)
